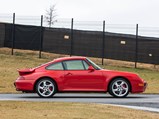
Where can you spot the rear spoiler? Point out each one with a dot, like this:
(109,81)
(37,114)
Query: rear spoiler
(25,71)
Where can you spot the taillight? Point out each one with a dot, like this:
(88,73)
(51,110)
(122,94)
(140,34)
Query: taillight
(21,78)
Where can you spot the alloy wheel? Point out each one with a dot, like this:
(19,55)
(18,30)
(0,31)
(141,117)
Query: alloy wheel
(45,88)
(119,88)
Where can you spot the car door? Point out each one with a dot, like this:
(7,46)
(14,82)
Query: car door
(77,77)
(56,72)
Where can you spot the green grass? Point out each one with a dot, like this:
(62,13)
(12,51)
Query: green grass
(27,59)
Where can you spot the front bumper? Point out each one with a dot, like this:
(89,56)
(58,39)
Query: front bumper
(139,87)
(145,86)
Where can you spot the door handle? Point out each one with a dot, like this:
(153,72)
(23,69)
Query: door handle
(68,74)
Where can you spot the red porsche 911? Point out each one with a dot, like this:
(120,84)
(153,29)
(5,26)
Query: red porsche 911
(78,74)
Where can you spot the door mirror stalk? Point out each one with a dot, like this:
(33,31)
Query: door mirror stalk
(90,68)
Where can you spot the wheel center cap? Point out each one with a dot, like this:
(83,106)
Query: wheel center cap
(45,87)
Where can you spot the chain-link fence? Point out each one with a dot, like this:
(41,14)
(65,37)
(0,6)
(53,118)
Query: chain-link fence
(124,42)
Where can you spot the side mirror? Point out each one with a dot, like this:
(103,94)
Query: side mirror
(90,68)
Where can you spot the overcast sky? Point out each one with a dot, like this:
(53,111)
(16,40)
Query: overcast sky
(143,12)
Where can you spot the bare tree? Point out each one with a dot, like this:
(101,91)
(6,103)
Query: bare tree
(50,16)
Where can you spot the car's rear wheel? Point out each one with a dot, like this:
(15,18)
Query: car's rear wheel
(45,88)
(119,87)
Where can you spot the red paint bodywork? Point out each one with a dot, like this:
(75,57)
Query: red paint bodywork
(76,80)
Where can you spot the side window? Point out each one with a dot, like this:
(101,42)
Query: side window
(56,66)
(85,65)
(74,65)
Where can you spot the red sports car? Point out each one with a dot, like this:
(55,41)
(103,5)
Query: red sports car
(78,74)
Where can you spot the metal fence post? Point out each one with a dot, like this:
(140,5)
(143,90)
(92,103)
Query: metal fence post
(103,43)
(41,37)
(13,33)
(136,50)
(71,48)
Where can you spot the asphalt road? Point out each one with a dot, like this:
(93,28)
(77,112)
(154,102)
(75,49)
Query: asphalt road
(140,100)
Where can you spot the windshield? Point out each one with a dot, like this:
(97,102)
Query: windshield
(93,64)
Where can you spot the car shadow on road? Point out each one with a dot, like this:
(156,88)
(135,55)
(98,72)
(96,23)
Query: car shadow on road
(83,97)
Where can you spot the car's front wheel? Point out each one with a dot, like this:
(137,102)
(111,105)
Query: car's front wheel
(45,88)
(119,87)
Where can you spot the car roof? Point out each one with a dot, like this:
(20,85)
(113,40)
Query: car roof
(69,58)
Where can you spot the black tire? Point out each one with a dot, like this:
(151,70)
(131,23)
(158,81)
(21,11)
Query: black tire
(46,88)
(119,88)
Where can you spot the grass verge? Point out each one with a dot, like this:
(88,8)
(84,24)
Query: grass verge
(54,110)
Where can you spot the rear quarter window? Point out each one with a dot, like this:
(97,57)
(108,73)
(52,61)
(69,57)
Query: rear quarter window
(55,66)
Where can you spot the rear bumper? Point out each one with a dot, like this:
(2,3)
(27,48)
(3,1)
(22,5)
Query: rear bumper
(23,85)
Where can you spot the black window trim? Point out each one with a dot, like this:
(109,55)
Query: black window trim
(86,63)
